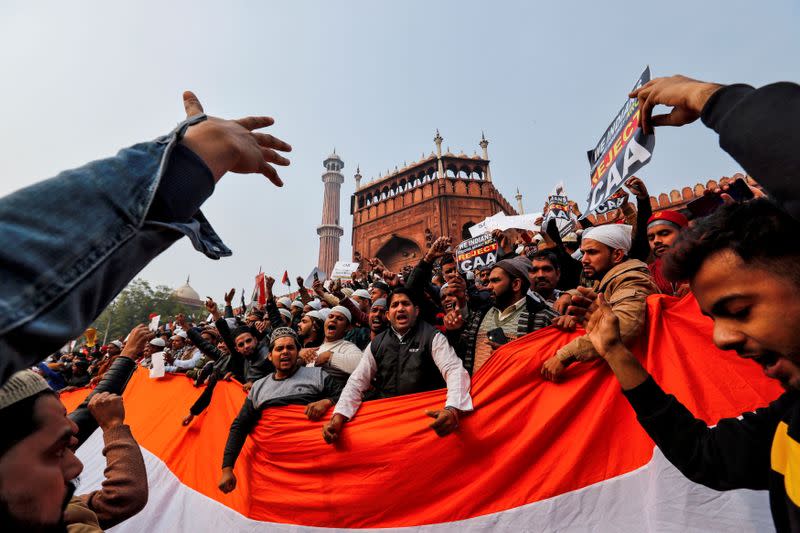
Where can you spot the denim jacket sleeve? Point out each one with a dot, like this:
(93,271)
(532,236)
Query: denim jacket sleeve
(70,244)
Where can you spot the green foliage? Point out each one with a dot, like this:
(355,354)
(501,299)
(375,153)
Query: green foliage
(133,306)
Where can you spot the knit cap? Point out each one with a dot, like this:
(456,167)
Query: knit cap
(21,385)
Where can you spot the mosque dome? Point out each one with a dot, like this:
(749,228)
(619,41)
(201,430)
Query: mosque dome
(185,294)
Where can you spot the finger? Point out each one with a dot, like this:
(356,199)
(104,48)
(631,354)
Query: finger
(271,156)
(269,141)
(271,174)
(646,88)
(191,104)
(645,112)
(254,123)
(432,414)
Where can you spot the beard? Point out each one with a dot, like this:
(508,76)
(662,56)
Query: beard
(10,522)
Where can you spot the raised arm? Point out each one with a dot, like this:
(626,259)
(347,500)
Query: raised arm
(61,264)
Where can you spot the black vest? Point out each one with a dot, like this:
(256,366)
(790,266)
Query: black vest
(405,366)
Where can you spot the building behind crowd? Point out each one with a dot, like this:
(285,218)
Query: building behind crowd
(397,216)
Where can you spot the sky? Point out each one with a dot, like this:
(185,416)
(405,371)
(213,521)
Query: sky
(374,80)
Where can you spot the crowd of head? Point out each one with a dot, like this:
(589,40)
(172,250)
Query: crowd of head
(382,334)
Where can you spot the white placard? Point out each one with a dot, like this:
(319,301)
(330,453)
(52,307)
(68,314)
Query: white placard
(157,362)
(344,269)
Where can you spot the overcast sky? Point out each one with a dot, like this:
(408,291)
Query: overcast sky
(372,79)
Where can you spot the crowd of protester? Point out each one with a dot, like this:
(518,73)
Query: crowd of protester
(430,326)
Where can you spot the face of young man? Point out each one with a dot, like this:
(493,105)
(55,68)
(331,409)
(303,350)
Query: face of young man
(305,327)
(598,258)
(377,293)
(35,474)
(284,355)
(246,344)
(483,276)
(335,326)
(755,312)
(544,277)
(222,347)
(363,303)
(505,288)
(402,313)
(113,350)
(377,319)
(453,296)
(661,238)
(449,272)
(178,343)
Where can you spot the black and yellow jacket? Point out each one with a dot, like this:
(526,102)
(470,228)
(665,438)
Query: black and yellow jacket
(759,450)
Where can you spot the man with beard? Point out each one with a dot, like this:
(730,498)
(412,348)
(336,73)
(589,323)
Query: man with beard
(377,318)
(544,276)
(411,356)
(625,283)
(38,466)
(663,229)
(742,263)
(289,384)
(514,313)
(336,355)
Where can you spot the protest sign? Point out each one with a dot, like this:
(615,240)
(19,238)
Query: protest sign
(344,269)
(622,150)
(154,320)
(320,276)
(558,209)
(504,222)
(476,253)
(158,365)
(617,200)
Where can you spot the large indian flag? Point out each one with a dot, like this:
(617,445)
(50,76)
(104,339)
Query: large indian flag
(534,456)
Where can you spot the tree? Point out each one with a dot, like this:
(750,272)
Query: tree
(134,305)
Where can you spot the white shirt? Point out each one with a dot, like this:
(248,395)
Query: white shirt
(444,357)
(186,363)
(346,355)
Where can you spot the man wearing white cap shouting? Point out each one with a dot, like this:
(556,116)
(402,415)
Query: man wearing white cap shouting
(336,355)
(625,283)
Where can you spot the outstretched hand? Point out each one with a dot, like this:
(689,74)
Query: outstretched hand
(686,96)
(233,145)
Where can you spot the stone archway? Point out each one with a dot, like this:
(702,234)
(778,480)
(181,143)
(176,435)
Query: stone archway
(398,252)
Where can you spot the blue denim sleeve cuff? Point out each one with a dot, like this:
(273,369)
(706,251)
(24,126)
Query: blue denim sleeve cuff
(186,184)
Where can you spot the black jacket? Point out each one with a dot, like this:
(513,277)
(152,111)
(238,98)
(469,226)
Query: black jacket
(737,453)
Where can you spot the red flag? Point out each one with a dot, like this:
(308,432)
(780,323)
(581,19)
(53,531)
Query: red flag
(261,287)
(285,279)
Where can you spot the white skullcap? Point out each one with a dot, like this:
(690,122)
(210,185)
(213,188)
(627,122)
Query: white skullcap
(615,236)
(343,311)
(347,291)
(285,312)
(285,300)
(117,343)
(315,304)
(324,313)
(180,333)
(362,293)
(158,341)
(315,314)
(298,304)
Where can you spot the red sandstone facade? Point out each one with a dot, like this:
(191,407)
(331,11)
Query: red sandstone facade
(398,216)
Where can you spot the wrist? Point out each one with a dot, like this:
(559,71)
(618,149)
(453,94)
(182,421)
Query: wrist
(211,144)
(616,352)
(111,424)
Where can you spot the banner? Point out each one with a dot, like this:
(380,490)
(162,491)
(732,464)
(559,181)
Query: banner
(476,253)
(504,222)
(558,209)
(533,456)
(617,200)
(622,150)
(343,270)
